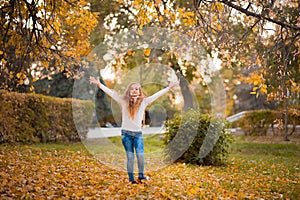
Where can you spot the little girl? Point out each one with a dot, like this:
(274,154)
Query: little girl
(133,105)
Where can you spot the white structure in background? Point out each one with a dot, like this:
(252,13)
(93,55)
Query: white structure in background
(237,116)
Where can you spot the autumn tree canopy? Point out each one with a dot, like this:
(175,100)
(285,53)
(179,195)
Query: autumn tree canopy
(38,35)
(259,37)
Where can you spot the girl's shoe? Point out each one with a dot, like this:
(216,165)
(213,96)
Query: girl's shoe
(142,179)
(133,182)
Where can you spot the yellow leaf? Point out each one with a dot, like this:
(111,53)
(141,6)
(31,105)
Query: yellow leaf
(219,27)
(193,191)
(1,52)
(161,18)
(219,6)
(264,86)
(273,166)
(252,92)
(165,195)
(130,52)
(31,88)
(257,61)
(255,29)
(147,52)
(255,88)
(135,3)
(264,90)
(241,195)
(140,32)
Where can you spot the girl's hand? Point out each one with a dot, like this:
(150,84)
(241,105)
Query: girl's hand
(94,81)
(173,84)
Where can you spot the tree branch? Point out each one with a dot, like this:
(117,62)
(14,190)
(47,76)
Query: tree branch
(259,16)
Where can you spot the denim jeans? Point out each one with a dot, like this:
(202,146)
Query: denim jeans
(133,141)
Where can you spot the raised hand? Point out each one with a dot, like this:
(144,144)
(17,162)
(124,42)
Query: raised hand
(173,84)
(94,81)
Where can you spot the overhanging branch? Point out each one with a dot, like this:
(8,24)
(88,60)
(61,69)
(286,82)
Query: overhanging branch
(259,16)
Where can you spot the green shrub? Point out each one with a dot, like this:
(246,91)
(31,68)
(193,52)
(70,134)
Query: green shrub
(257,122)
(196,138)
(37,118)
(293,118)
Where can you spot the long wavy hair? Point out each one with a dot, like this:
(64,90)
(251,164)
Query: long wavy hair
(132,105)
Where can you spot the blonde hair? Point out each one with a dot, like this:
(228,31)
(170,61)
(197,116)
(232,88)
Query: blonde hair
(133,106)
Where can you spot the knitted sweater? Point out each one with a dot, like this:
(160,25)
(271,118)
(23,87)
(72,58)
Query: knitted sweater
(127,122)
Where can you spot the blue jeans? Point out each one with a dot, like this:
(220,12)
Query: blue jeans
(133,140)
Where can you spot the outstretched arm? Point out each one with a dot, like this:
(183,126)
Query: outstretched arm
(105,89)
(158,94)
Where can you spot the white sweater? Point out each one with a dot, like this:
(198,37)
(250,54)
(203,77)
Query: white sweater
(136,123)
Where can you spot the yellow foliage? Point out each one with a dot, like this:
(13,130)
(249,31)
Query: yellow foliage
(263,89)
(11,75)
(258,81)
(161,18)
(130,52)
(255,29)
(64,30)
(187,17)
(147,52)
(21,75)
(62,68)
(218,6)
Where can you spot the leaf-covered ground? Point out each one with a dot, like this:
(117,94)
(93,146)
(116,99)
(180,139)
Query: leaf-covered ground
(254,171)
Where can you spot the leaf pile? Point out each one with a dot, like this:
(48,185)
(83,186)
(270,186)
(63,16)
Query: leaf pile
(35,172)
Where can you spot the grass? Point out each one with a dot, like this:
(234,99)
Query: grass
(258,168)
(152,142)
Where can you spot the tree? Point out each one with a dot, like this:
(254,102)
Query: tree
(52,35)
(256,36)
(277,64)
(141,14)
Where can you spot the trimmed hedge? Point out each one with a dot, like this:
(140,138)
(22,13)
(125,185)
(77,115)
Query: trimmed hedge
(197,139)
(30,118)
(257,122)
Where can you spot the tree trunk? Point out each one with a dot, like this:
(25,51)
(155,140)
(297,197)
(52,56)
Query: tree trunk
(286,129)
(186,93)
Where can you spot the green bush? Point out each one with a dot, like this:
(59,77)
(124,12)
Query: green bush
(37,118)
(197,138)
(294,118)
(257,122)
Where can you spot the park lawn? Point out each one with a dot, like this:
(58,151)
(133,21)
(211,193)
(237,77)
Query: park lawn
(257,169)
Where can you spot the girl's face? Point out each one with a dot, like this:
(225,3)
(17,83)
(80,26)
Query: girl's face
(134,90)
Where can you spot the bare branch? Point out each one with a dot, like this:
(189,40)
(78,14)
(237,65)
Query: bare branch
(259,16)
